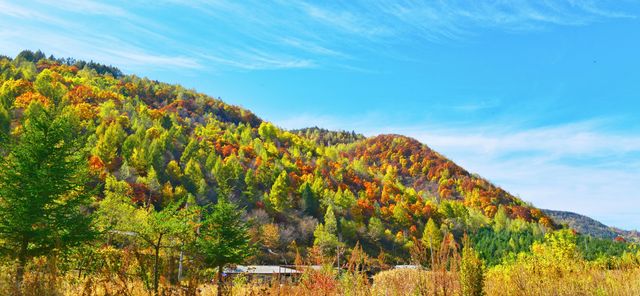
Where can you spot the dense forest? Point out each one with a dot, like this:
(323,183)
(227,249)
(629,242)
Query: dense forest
(150,167)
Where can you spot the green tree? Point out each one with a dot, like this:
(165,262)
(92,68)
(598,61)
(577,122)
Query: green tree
(223,238)
(279,196)
(432,236)
(5,121)
(112,138)
(325,235)
(228,174)
(159,228)
(192,176)
(267,131)
(400,215)
(500,220)
(250,191)
(471,272)
(375,229)
(48,86)
(310,201)
(169,227)
(43,189)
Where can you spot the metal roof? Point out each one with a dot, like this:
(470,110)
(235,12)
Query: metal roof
(261,269)
(406,267)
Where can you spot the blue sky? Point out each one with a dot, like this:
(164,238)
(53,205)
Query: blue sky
(540,97)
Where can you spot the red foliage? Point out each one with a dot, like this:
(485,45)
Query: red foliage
(143,195)
(620,239)
(520,212)
(413,229)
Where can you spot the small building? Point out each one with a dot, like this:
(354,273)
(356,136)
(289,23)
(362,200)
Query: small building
(263,273)
(407,267)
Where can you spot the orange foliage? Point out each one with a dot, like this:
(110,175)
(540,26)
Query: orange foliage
(80,94)
(95,163)
(546,222)
(25,99)
(228,150)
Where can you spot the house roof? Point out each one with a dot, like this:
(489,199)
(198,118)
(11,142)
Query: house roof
(261,269)
(406,267)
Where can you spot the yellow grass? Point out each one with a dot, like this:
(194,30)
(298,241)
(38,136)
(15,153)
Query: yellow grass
(512,281)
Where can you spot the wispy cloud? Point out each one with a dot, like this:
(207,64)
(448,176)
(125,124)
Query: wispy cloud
(89,7)
(578,167)
(256,60)
(68,38)
(257,35)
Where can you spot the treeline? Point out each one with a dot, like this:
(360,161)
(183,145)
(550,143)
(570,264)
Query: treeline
(326,137)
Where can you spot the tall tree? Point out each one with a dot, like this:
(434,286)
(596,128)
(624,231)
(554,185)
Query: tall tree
(42,188)
(309,200)
(149,228)
(326,235)
(223,238)
(471,271)
(432,236)
(279,196)
(164,229)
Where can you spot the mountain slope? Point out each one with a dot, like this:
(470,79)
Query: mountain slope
(169,143)
(590,226)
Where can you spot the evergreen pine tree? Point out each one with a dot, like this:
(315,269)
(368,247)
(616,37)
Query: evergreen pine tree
(223,238)
(279,197)
(42,189)
(309,200)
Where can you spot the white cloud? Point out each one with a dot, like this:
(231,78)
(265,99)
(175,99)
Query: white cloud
(89,7)
(578,167)
(538,165)
(255,60)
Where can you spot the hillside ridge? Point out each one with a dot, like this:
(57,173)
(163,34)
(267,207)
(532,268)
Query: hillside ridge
(165,143)
(589,226)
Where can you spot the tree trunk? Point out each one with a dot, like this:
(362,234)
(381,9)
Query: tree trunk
(156,269)
(220,280)
(20,274)
(180,265)
(22,262)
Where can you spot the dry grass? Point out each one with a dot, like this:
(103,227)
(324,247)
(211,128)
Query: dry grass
(591,281)
(511,281)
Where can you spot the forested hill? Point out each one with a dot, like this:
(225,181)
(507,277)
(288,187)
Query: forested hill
(153,143)
(591,227)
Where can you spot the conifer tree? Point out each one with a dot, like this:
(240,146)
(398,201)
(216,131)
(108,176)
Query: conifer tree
(223,238)
(309,200)
(326,234)
(43,189)
(279,197)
